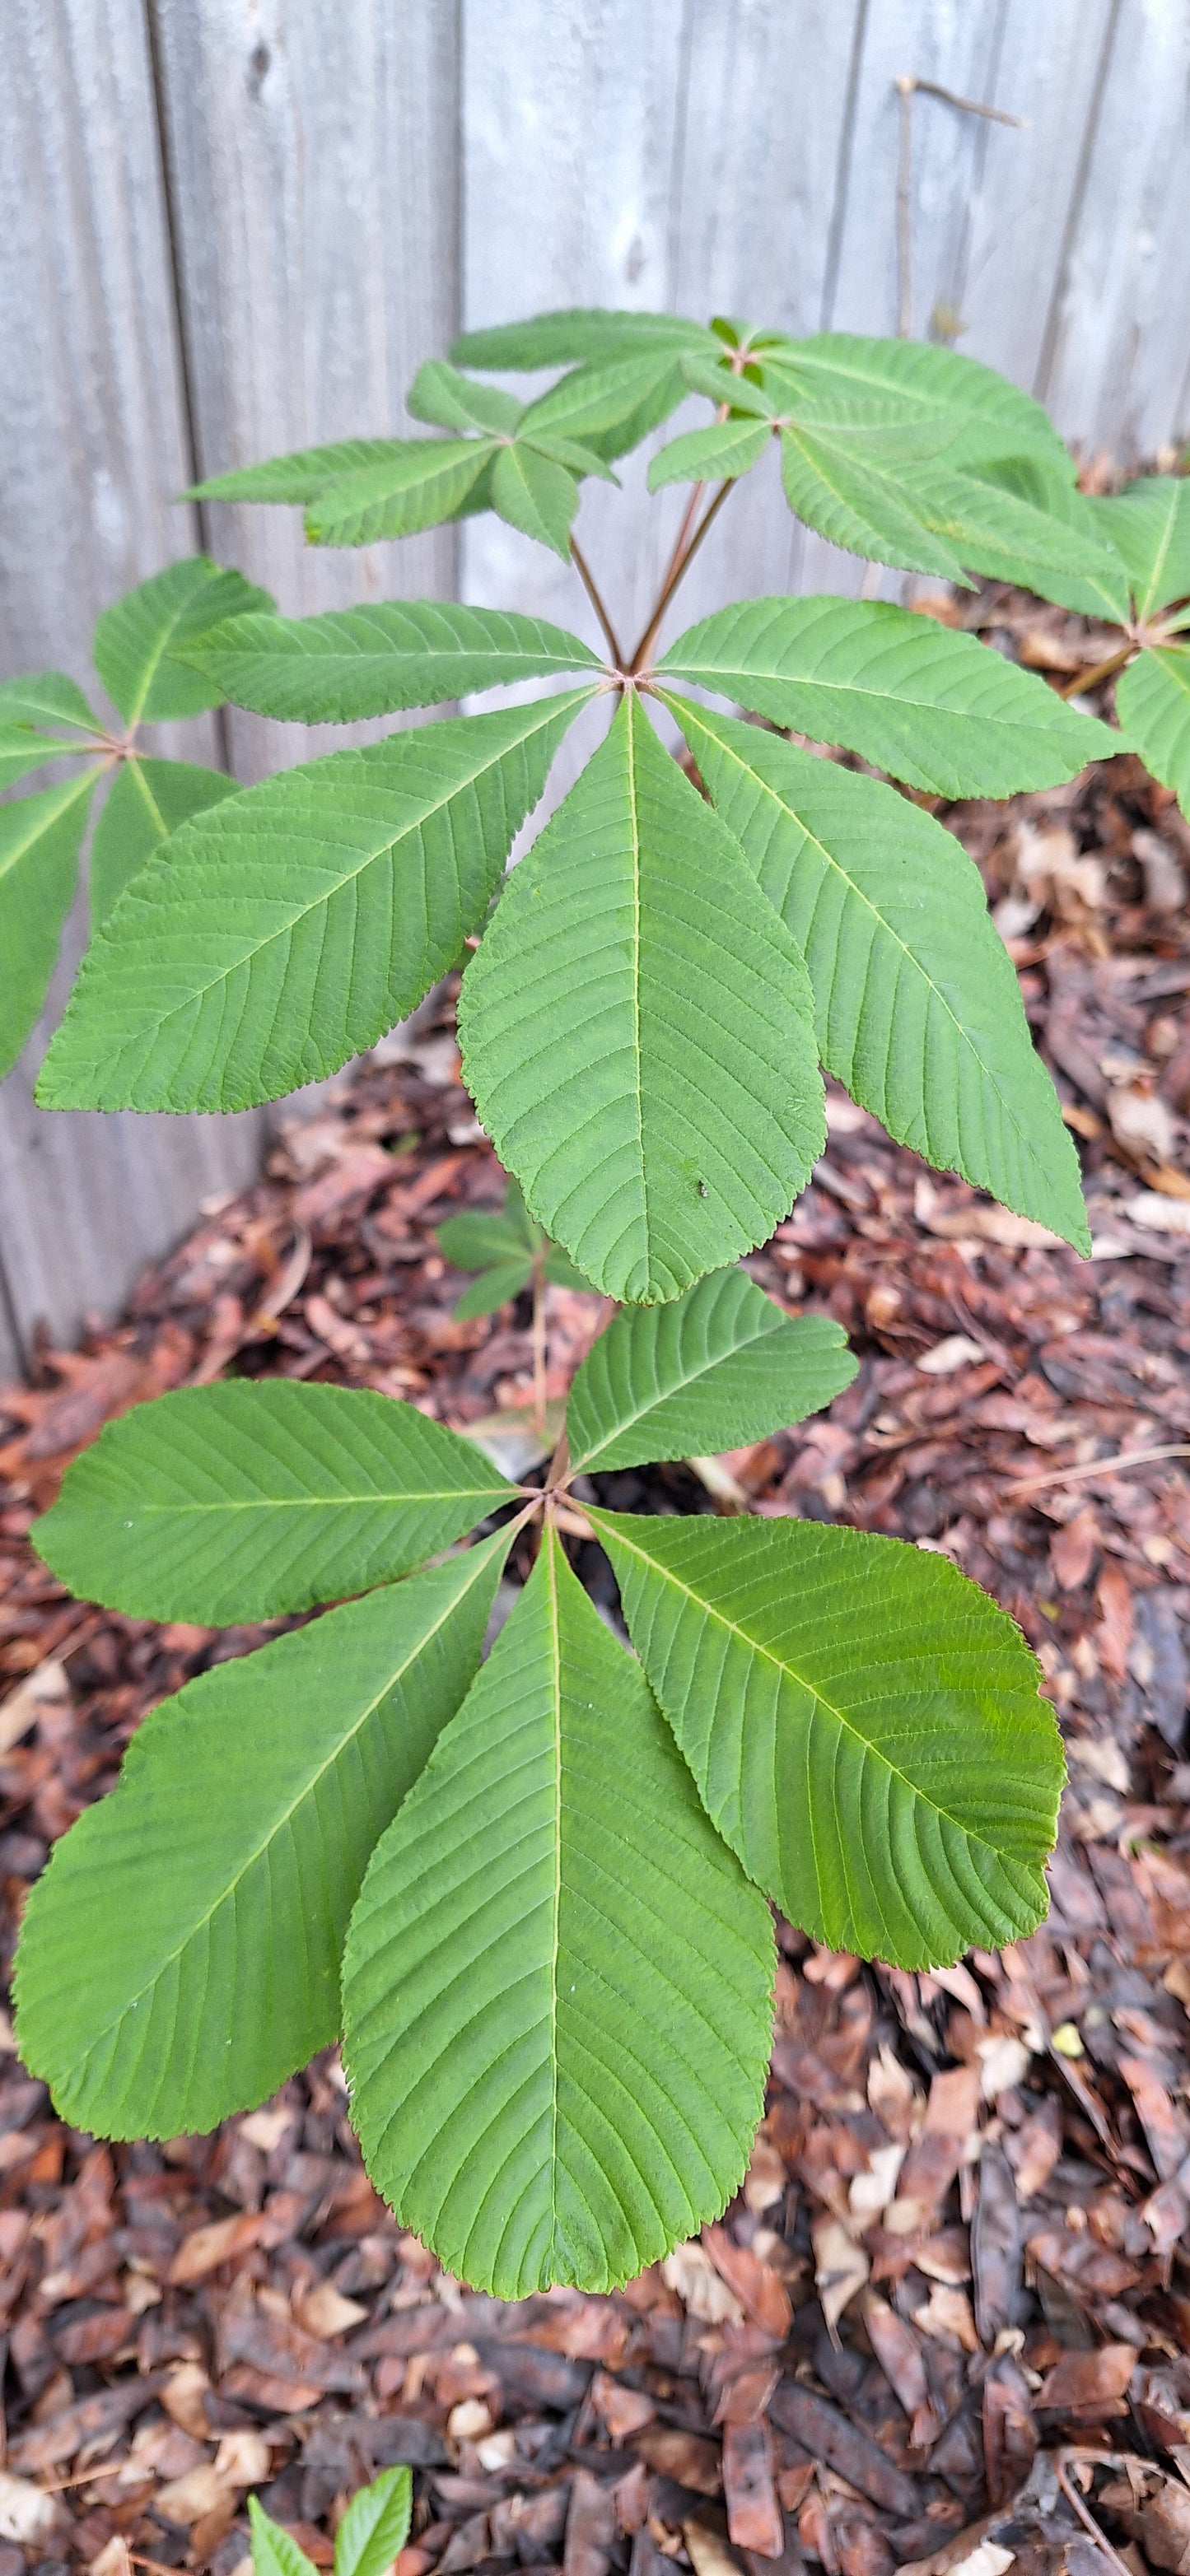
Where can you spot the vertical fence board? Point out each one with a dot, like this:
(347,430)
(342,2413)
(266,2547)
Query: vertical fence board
(1115,373)
(93,435)
(312,157)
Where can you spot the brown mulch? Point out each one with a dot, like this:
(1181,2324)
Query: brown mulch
(950,2308)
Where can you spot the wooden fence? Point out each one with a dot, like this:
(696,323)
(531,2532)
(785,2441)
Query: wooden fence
(231,227)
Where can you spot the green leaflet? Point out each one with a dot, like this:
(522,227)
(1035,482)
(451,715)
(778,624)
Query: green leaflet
(1149,525)
(1093,588)
(841,375)
(238,1501)
(556,339)
(536,495)
(918,1009)
(934,707)
(421,482)
(135,639)
(611,404)
(277,934)
(156,1999)
(863,1723)
(703,455)
(492,1288)
(40,838)
(840,487)
(361,489)
(275,2552)
(375,2527)
(22,751)
(718,1367)
(147,801)
(557,1983)
(355,662)
(440,394)
(1153,700)
(636,1039)
(46,697)
(996,531)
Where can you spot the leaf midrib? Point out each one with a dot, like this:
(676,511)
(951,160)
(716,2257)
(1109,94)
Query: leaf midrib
(308,1789)
(857,891)
(709,1610)
(332,1502)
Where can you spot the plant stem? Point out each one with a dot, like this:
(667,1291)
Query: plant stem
(583,570)
(1102,671)
(678,573)
(539,1389)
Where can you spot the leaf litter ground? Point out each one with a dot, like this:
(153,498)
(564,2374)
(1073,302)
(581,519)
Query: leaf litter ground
(947,2320)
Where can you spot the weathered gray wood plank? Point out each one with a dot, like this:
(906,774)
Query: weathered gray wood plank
(1114,373)
(313,161)
(93,435)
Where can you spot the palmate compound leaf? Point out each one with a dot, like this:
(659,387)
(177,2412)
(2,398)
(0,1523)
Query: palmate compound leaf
(240,1501)
(715,1368)
(863,1723)
(375,2527)
(279,933)
(135,639)
(1153,699)
(557,1987)
(1149,525)
(147,801)
(370,661)
(180,1956)
(637,1041)
(918,1009)
(40,839)
(936,708)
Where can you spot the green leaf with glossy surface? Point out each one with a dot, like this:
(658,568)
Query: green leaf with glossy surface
(148,799)
(536,495)
(276,935)
(375,2527)
(636,1039)
(370,661)
(918,1008)
(180,1956)
(135,639)
(239,1501)
(1049,544)
(46,697)
(40,839)
(275,2552)
(1153,700)
(558,339)
(716,1368)
(558,1984)
(936,708)
(863,1723)
(729,448)
(1149,524)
